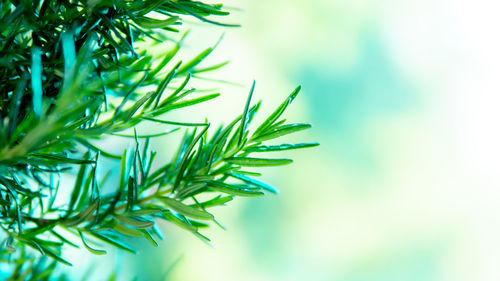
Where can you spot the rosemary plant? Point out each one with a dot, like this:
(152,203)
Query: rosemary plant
(71,75)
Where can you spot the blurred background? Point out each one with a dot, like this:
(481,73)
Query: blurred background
(403,97)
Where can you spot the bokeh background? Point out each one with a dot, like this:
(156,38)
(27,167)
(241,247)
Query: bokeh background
(404,99)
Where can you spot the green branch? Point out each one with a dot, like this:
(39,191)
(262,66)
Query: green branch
(71,74)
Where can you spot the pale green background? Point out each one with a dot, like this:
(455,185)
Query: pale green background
(403,96)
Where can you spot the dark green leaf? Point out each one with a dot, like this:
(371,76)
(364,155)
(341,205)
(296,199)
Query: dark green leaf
(217,201)
(270,148)
(155,23)
(195,61)
(92,250)
(125,230)
(244,118)
(137,222)
(277,113)
(112,241)
(233,189)
(186,210)
(254,182)
(257,162)
(169,216)
(281,131)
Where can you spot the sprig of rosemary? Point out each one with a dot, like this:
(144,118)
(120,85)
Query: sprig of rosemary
(71,74)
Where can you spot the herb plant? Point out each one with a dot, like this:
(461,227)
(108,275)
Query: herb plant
(72,75)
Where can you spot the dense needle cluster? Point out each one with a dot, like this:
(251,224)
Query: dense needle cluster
(71,75)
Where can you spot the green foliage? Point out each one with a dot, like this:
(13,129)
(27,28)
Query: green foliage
(71,75)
